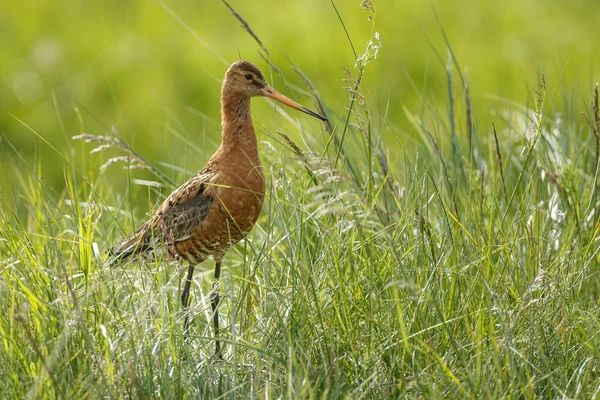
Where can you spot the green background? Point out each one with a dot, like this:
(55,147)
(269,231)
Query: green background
(134,66)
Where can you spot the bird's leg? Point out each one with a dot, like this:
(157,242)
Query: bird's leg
(185,298)
(214,301)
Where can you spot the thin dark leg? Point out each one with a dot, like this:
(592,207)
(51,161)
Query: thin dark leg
(185,298)
(214,301)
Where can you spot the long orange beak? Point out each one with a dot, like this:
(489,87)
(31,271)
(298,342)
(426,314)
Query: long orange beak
(268,91)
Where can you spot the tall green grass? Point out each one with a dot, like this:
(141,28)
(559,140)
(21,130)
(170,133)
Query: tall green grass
(462,264)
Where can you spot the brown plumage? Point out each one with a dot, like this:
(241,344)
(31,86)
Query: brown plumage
(220,204)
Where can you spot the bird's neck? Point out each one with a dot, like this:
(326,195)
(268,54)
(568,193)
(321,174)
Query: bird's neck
(236,122)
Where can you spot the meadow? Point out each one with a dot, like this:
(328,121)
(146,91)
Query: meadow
(438,237)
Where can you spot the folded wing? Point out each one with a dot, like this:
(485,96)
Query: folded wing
(174,221)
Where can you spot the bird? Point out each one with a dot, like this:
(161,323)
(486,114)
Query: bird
(219,205)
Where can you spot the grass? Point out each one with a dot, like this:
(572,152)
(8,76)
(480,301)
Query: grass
(465,265)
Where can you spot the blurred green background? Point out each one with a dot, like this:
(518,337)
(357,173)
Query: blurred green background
(135,66)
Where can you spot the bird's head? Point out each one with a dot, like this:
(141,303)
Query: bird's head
(247,79)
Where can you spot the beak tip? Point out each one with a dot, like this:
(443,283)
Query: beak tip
(314,114)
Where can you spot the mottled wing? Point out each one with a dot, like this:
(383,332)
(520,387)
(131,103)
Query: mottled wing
(174,220)
(178,222)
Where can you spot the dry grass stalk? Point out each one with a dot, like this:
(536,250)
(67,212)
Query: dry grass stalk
(246,26)
(446,175)
(133,159)
(499,157)
(469,119)
(594,123)
(300,154)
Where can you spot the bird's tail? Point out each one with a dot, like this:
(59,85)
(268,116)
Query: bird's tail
(128,248)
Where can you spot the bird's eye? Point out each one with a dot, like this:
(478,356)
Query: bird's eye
(249,77)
